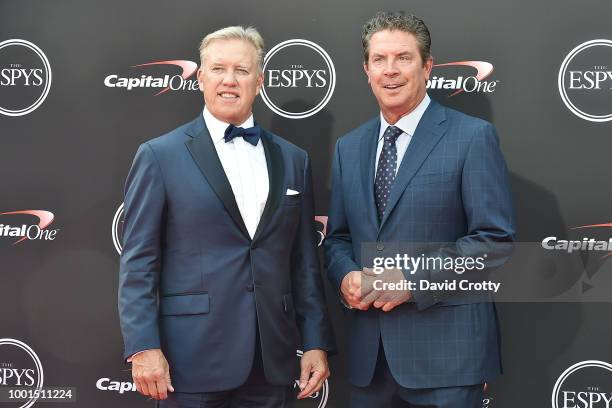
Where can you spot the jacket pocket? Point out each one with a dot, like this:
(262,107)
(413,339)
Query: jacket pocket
(431,178)
(184,304)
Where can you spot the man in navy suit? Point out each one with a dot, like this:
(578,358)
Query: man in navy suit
(417,173)
(219,281)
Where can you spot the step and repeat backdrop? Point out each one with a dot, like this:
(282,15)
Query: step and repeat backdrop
(84,83)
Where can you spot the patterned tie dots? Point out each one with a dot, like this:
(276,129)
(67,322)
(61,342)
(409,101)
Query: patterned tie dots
(387,163)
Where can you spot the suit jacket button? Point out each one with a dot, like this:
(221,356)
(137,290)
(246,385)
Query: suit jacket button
(250,288)
(380,246)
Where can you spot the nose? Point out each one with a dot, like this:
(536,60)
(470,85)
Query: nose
(390,68)
(229,79)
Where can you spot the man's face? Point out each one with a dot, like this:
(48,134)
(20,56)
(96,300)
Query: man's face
(396,72)
(230,80)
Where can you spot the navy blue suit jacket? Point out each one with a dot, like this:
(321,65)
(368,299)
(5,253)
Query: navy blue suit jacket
(192,282)
(452,186)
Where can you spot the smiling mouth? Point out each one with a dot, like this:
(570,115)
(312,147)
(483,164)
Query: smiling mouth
(393,86)
(227,95)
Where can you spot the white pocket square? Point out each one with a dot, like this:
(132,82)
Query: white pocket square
(292,192)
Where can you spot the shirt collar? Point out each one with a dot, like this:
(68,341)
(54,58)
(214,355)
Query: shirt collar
(407,123)
(217,127)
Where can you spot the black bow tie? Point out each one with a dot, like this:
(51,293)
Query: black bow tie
(251,134)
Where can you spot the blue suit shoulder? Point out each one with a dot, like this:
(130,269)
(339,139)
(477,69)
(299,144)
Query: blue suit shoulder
(174,137)
(469,126)
(353,137)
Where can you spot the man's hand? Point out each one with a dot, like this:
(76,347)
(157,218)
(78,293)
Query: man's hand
(386,299)
(151,373)
(314,372)
(352,292)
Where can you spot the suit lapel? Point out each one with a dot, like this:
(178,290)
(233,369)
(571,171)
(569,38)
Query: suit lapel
(203,151)
(368,158)
(274,162)
(429,131)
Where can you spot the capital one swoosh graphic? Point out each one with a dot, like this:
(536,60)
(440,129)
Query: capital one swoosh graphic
(188,67)
(606,225)
(45,218)
(483,70)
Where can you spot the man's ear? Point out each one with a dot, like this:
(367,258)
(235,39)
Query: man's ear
(199,75)
(260,80)
(367,70)
(428,67)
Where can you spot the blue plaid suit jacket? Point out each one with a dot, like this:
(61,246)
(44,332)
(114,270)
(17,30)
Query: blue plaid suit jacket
(452,186)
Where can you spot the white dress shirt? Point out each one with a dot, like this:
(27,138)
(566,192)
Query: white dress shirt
(245,167)
(408,125)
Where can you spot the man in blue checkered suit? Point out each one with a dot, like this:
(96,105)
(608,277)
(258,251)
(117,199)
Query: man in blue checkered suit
(418,172)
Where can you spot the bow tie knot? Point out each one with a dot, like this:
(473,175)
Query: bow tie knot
(250,135)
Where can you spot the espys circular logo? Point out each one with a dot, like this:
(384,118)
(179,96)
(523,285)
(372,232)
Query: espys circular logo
(299,79)
(587,384)
(317,399)
(25,77)
(585,80)
(20,367)
(117,229)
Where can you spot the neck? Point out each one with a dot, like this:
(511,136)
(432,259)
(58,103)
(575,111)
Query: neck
(392,116)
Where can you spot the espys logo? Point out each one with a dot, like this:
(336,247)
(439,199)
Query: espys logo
(165,82)
(117,228)
(25,77)
(462,82)
(300,79)
(587,384)
(20,367)
(317,399)
(32,232)
(585,80)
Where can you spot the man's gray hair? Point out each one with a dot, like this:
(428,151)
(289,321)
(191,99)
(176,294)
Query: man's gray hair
(401,21)
(248,34)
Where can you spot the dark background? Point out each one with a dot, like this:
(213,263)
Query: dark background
(72,154)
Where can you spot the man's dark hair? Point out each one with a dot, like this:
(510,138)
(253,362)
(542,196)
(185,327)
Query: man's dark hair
(401,21)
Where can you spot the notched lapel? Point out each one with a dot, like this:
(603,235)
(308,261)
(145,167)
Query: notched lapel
(203,151)
(428,133)
(276,175)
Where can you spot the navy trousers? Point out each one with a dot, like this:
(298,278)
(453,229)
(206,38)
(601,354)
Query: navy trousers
(385,392)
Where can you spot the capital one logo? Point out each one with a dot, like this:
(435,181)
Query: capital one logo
(37,231)
(587,384)
(585,81)
(168,80)
(300,79)
(470,77)
(19,367)
(25,77)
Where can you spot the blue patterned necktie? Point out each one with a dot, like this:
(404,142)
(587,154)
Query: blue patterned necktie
(385,174)
(250,135)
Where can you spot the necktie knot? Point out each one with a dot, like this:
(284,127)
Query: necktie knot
(392,133)
(250,135)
